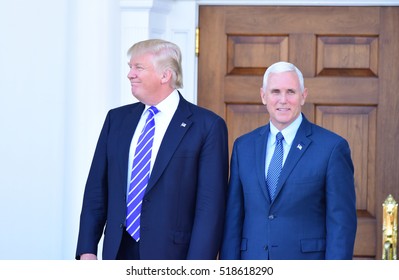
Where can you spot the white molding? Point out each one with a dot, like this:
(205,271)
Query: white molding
(160,5)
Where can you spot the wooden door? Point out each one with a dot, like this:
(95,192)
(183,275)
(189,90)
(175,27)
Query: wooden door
(350,60)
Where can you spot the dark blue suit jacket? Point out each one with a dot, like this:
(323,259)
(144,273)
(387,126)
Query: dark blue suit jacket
(183,208)
(314,213)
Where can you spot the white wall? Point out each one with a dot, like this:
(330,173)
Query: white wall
(59,74)
(32,119)
(62,67)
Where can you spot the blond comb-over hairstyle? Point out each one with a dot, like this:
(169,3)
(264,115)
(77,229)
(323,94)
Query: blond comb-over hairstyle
(167,56)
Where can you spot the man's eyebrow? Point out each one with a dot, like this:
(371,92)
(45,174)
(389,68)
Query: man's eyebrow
(136,64)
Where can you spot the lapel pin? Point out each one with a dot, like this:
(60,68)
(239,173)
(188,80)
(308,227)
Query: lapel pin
(183,124)
(299,147)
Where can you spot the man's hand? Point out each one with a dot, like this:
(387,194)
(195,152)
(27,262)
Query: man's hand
(88,257)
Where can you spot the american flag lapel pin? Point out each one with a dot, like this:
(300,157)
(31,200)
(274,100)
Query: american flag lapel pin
(183,124)
(299,147)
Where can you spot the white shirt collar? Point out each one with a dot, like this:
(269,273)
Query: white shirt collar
(169,105)
(289,132)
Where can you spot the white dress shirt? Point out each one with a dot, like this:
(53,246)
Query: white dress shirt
(167,109)
(289,135)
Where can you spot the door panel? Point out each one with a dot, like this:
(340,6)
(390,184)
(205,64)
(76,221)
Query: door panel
(349,60)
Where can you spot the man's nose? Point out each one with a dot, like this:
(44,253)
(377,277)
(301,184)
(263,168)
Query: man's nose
(283,97)
(131,74)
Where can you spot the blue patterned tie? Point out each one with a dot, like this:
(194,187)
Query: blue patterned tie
(275,166)
(140,175)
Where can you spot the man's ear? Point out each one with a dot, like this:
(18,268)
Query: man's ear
(166,76)
(304,95)
(263,95)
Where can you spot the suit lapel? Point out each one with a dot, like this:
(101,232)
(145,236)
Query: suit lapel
(260,152)
(178,127)
(299,146)
(125,137)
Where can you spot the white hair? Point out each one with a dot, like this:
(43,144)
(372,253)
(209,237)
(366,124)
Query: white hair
(280,67)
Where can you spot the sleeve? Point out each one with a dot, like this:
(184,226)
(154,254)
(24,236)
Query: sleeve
(232,235)
(93,214)
(211,193)
(341,217)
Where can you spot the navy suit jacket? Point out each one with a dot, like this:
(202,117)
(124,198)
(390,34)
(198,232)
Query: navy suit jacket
(183,207)
(313,215)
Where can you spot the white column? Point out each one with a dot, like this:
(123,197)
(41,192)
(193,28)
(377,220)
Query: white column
(92,89)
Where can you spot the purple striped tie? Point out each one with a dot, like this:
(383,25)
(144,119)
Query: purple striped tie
(140,175)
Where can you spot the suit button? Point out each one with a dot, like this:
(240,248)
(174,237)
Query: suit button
(271,217)
(121,225)
(266,247)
